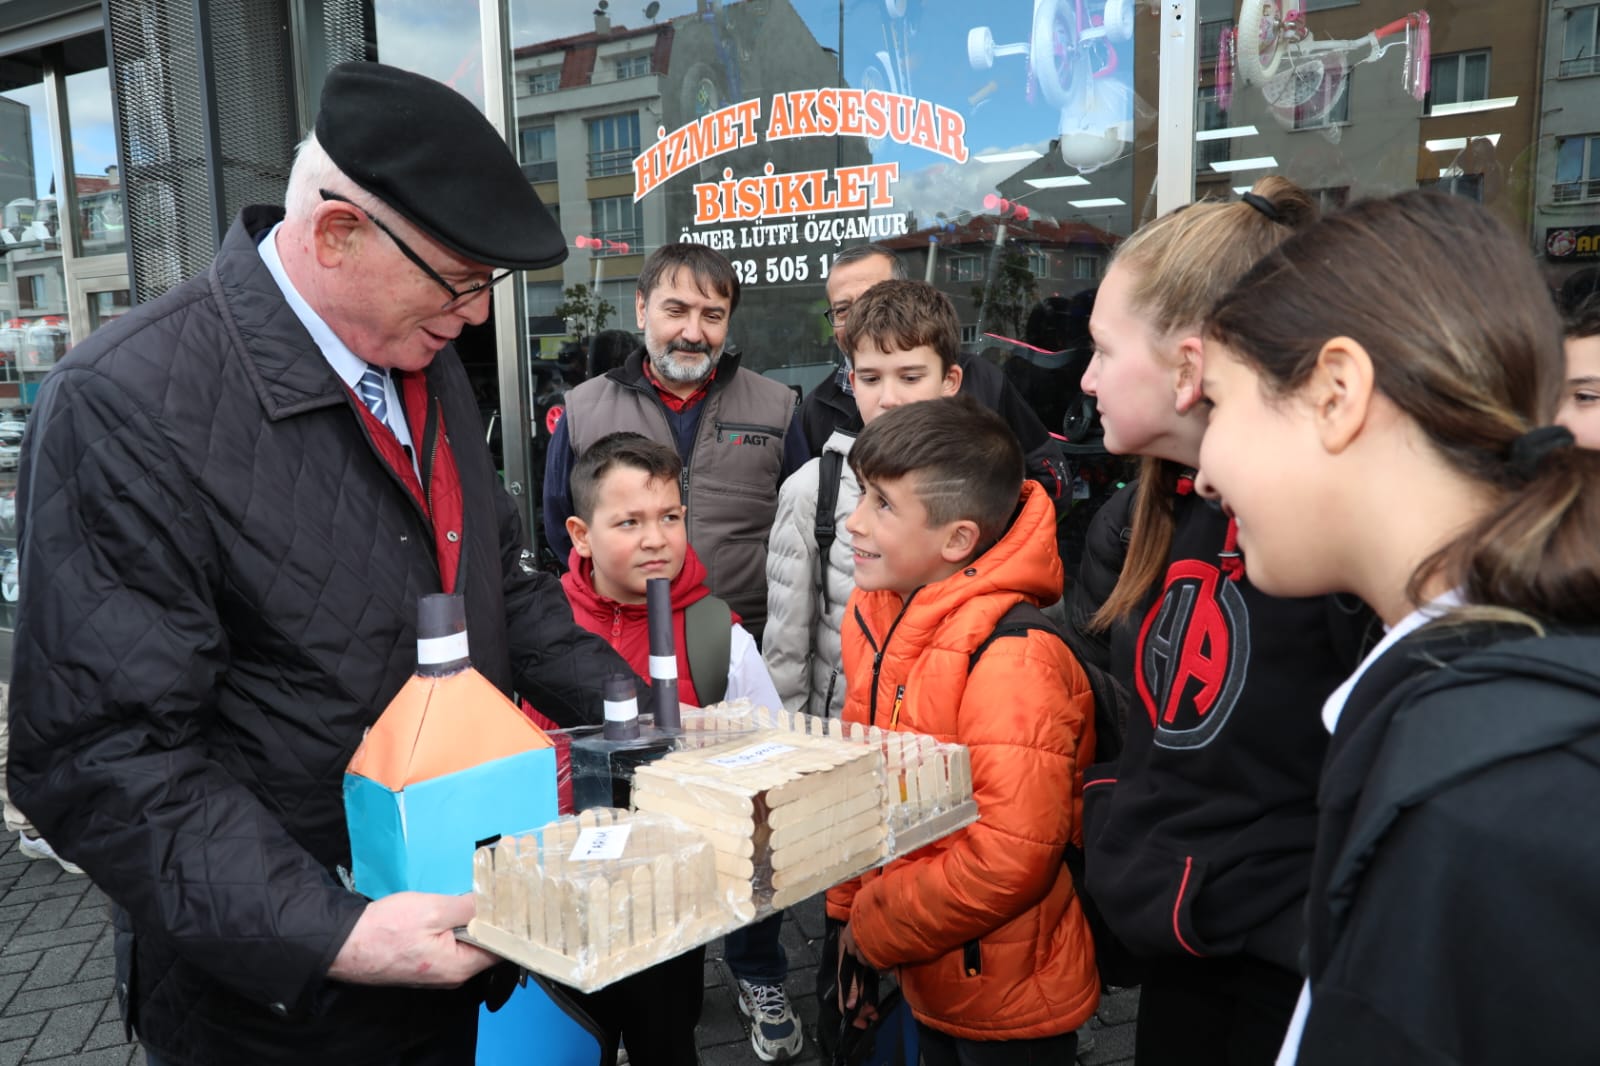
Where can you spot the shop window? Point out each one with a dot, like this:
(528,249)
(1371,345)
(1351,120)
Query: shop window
(1457,79)
(613,144)
(633,66)
(544,81)
(1085,268)
(1577,169)
(1580,47)
(539,153)
(617,221)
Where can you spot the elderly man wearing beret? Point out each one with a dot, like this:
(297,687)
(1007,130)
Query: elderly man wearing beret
(231,501)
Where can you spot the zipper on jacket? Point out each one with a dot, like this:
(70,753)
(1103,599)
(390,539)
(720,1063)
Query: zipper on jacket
(616,622)
(433,454)
(745,427)
(877,652)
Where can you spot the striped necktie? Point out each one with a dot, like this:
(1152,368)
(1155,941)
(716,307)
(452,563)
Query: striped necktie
(374,392)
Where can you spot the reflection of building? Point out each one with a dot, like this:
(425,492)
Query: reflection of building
(967,259)
(1566,174)
(587,105)
(1369,136)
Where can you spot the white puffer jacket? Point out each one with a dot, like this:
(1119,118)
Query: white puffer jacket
(802,644)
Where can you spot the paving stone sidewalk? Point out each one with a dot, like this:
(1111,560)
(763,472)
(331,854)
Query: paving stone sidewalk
(57,1004)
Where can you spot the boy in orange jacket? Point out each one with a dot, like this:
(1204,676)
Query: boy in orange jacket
(984,926)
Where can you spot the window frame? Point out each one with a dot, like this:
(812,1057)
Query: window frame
(1460,79)
(1580,66)
(617,158)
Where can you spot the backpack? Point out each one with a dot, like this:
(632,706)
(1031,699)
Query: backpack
(828,475)
(1117,966)
(708,639)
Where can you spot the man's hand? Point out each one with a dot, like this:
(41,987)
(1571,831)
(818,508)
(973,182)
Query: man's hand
(409,939)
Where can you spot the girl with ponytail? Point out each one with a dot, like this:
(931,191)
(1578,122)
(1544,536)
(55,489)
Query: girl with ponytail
(1199,837)
(1382,386)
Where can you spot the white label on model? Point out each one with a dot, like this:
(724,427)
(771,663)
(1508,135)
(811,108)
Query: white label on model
(600,842)
(751,756)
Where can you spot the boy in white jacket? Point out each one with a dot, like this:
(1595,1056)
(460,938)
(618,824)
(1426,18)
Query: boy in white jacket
(903,339)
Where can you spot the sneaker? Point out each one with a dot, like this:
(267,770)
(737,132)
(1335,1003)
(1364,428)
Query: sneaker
(39,848)
(774,1031)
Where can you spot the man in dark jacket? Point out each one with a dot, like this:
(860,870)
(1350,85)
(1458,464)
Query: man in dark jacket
(230,503)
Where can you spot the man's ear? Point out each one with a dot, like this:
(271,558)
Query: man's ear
(1191,362)
(578,531)
(332,226)
(952,381)
(1340,391)
(961,542)
(638,307)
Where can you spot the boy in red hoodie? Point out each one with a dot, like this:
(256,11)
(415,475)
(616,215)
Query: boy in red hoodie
(629,528)
(984,927)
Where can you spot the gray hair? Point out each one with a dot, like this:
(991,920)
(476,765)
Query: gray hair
(313,171)
(897,269)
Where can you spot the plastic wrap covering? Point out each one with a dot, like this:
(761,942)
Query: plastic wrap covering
(594,897)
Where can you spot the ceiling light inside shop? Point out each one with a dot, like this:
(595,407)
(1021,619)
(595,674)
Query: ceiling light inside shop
(1055,183)
(1467,107)
(1104,201)
(1226,134)
(1027,155)
(1456,144)
(1260,162)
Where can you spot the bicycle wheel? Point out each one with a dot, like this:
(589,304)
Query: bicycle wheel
(1052,49)
(1262,38)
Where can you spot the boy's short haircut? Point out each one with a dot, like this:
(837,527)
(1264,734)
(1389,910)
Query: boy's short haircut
(629,450)
(897,316)
(966,461)
(1584,320)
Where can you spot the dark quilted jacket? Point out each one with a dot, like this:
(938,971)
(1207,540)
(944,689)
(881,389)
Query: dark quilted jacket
(220,579)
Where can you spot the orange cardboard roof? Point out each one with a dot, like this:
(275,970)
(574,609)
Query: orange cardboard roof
(440,725)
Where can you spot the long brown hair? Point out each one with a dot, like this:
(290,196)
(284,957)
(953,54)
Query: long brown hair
(1465,340)
(1180,264)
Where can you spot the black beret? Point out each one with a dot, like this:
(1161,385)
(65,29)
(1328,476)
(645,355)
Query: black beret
(426,151)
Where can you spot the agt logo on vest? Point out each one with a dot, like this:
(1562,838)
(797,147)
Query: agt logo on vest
(758,439)
(1193,653)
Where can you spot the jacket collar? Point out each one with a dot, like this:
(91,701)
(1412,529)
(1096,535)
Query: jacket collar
(284,365)
(578,582)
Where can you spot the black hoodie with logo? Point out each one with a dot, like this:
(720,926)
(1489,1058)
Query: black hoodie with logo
(1199,837)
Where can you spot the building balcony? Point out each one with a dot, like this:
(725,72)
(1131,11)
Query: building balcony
(1579,68)
(1575,192)
(616,161)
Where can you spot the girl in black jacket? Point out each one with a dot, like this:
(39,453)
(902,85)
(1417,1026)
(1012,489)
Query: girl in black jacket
(1199,837)
(1382,386)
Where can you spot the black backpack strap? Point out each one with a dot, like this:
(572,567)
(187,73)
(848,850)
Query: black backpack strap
(1110,699)
(828,474)
(708,634)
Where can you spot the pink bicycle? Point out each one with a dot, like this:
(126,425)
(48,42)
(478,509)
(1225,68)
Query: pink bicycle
(1303,78)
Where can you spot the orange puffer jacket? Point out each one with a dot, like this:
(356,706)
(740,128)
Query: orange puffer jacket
(984,925)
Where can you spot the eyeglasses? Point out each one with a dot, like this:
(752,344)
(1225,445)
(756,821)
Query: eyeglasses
(458,297)
(837,315)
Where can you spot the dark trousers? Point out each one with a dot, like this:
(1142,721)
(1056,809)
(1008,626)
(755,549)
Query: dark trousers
(456,1047)
(942,1049)
(653,1013)
(754,953)
(1213,1012)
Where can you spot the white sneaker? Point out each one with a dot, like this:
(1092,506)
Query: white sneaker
(774,1030)
(39,848)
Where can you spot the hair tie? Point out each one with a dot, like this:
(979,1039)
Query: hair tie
(1529,450)
(1264,205)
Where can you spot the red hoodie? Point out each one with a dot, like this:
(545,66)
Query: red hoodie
(625,626)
